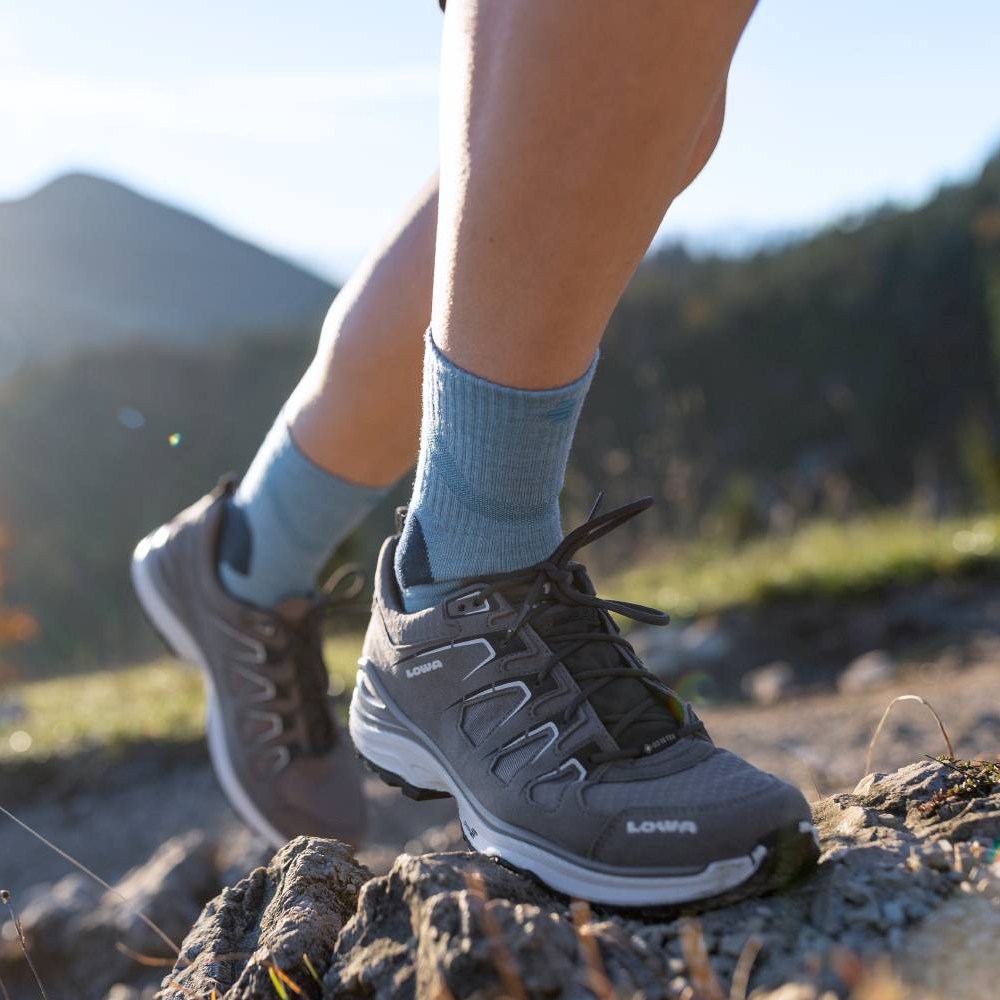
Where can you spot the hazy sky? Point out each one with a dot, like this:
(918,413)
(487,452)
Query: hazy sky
(307,126)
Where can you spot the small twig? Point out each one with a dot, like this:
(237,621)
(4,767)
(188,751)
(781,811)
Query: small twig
(276,983)
(705,982)
(501,954)
(151,961)
(4,995)
(5,898)
(310,967)
(744,967)
(598,980)
(810,774)
(947,763)
(885,715)
(97,878)
(187,991)
(286,979)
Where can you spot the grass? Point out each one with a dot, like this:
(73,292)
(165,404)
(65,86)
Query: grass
(163,700)
(826,558)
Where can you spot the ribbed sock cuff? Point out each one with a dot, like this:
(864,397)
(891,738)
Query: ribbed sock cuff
(295,514)
(492,463)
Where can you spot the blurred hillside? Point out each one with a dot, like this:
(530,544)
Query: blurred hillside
(87,261)
(852,370)
(856,368)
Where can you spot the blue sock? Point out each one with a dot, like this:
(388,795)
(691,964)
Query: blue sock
(486,495)
(284,521)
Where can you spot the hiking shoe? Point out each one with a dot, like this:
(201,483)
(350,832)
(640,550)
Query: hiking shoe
(272,736)
(519,696)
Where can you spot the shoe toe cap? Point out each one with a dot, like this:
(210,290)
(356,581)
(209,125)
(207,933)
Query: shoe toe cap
(688,832)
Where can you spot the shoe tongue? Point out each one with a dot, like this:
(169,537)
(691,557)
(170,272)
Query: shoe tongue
(617,696)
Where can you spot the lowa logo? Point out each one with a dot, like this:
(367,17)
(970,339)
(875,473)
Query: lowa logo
(661,826)
(424,668)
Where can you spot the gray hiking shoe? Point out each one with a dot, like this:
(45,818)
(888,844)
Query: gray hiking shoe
(518,696)
(272,736)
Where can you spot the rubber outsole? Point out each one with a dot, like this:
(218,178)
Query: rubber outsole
(790,853)
(410,791)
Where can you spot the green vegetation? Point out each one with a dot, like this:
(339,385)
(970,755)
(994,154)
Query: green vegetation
(825,558)
(855,370)
(160,700)
(163,700)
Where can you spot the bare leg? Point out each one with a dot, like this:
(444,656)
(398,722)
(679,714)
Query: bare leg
(575,125)
(356,411)
(578,123)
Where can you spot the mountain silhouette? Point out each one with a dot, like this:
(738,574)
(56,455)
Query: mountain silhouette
(87,261)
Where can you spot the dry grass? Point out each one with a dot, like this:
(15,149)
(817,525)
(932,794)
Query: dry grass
(885,715)
(5,898)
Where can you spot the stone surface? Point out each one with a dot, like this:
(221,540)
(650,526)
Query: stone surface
(83,939)
(769,684)
(868,672)
(903,858)
(88,942)
(122,992)
(279,923)
(669,652)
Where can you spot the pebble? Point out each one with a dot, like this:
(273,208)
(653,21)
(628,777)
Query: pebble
(868,672)
(867,783)
(769,684)
(854,819)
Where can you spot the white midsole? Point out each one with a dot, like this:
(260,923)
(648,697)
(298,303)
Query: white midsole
(185,646)
(407,758)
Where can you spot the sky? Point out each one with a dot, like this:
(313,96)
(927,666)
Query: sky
(307,127)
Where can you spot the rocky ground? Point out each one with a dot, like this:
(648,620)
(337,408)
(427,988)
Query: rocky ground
(909,869)
(895,879)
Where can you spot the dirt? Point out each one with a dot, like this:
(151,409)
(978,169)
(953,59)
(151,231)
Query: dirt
(112,809)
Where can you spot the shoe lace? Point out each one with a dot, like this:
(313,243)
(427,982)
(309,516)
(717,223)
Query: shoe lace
(559,583)
(294,658)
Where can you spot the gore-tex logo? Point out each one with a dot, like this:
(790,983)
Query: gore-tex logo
(661,826)
(424,668)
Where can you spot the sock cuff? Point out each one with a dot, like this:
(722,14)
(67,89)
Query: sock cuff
(444,368)
(492,462)
(281,449)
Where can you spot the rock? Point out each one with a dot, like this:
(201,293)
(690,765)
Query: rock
(698,645)
(867,783)
(954,954)
(122,992)
(80,936)
(769,684)
(867,673)
(458,924)
(854,819)
(84,940)
(284,917)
